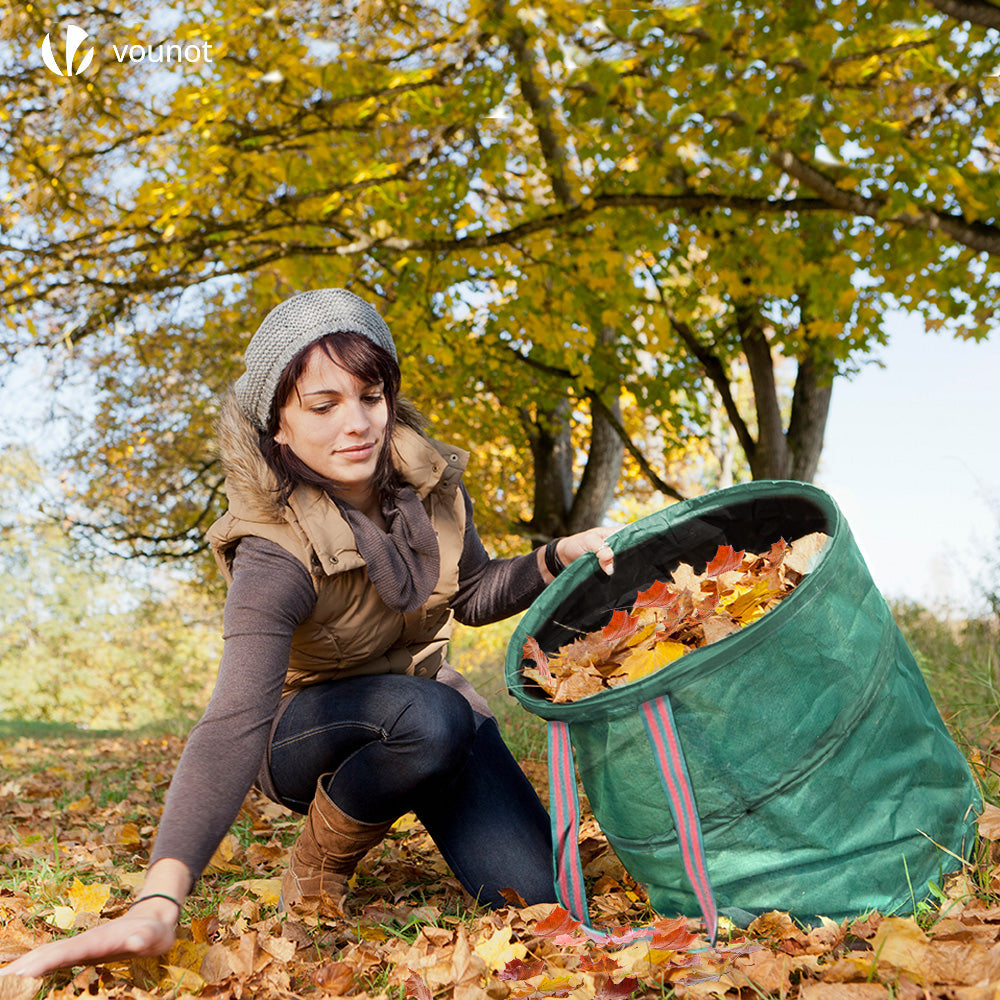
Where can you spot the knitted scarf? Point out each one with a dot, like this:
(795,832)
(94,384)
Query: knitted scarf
(403,561)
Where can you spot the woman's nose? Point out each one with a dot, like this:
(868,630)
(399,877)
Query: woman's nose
(357,420)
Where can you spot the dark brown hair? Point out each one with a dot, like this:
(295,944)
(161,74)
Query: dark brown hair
(366,361)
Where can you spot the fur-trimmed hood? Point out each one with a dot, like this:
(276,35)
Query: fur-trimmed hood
(251,486)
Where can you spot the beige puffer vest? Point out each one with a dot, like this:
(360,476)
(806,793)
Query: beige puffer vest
(350,631)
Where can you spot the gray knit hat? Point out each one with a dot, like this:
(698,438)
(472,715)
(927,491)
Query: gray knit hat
(295,324)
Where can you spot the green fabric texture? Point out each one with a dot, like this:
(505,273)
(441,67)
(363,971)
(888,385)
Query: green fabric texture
(823,774)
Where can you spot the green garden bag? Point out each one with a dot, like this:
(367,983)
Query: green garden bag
(798,764)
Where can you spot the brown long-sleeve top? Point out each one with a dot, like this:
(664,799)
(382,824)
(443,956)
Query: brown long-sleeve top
(270,596)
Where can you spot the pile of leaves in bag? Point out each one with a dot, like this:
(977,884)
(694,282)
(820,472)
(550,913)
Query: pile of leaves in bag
(672,618)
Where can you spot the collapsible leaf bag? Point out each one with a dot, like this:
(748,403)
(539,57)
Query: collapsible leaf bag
(798,764)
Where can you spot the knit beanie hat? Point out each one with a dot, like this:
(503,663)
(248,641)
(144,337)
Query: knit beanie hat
(292,325)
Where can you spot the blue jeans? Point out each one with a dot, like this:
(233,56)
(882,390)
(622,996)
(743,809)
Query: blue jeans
(388,744)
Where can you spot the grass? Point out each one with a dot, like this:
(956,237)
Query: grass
(479,654)
(960,661)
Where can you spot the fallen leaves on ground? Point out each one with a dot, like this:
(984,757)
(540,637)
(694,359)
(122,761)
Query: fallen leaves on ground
(671,618)
(412,931)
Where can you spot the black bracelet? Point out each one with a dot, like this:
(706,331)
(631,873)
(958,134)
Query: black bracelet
(157,895)
(552,561)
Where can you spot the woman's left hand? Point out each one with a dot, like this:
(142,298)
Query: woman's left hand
(571,547)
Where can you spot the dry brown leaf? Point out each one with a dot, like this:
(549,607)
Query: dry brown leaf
(19,987)
(668,620)
(960,963)
(989,822)
(802,553)
(843,991)
(215,966)
(335,977)
(766,971)
(775,925)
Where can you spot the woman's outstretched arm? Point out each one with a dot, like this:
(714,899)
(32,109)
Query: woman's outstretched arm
(149,928)
(270,594)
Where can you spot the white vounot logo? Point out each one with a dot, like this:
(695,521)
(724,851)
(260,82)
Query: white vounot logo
(74,38)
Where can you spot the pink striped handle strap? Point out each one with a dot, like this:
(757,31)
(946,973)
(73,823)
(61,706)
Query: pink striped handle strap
(565,807)
(662,732)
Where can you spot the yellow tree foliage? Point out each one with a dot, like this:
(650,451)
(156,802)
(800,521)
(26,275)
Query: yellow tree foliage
(582,221)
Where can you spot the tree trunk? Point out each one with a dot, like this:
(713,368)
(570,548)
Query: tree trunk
(558,508)
(810,409)
(603,470)
(770,458)
(552,457)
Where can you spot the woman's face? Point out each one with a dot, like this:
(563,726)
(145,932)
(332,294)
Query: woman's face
(335,424)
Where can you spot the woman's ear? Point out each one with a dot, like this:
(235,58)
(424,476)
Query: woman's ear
(280,437)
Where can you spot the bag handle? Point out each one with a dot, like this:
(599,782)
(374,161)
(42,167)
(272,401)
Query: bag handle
(565,809)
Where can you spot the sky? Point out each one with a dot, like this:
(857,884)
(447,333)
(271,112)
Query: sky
(913,461)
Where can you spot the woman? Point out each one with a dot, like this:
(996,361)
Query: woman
(348,547)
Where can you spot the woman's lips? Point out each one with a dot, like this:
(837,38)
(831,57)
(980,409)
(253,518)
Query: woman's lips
(357,453)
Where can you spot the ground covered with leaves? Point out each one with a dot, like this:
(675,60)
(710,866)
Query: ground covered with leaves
(79,815)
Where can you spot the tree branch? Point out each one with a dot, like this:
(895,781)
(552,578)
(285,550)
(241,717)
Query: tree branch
(597,405)
(542,112)
(979,236)
(981,12)
(716,373)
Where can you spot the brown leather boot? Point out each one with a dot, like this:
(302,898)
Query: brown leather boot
(327,850)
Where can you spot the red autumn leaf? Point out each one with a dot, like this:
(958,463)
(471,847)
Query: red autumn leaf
(726,559)
(672,935)
(609,990)
(659,595)
(621,626)
(517,969)
(532,651)
(603,964)
(703,608)
(417,988)
(777,551)
(559,921)
(620,936)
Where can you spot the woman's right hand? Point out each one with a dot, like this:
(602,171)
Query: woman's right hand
(149,928)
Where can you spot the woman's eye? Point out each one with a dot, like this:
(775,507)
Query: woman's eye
(373,398)
(322,408)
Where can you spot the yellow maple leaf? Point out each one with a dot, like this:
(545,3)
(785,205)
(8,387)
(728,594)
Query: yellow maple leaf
(554,982)
(224,854)
(187,955)
(901,942)
(746,603)
(129,835)
(267,890)
(184,981)
(496,951)
(88,898)
(647,661)
(132,880)
(63,917)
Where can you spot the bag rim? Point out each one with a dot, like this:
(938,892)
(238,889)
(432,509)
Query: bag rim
(707,659)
